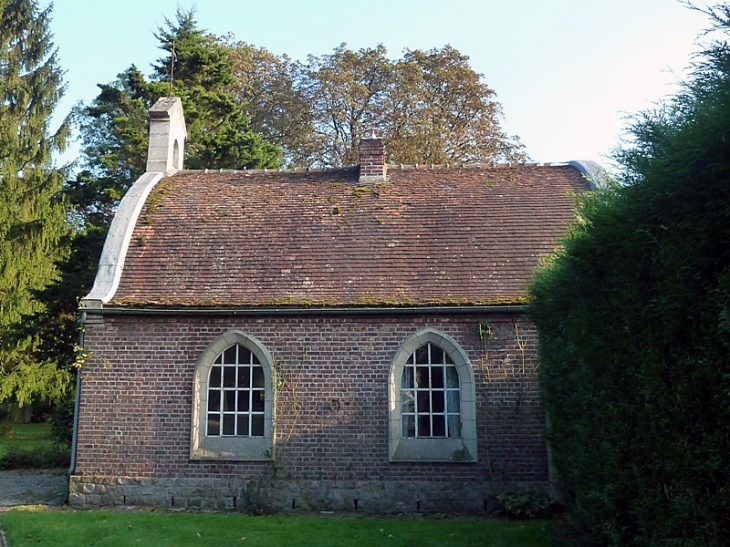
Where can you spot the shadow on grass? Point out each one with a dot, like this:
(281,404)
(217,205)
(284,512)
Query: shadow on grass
(30,446)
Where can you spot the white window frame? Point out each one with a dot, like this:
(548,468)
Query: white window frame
(433,449)
(216,447)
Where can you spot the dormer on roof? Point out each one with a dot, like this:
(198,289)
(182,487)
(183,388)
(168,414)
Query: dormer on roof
(167,136)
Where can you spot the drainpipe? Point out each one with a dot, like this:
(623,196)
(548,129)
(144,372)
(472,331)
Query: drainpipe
(77,399)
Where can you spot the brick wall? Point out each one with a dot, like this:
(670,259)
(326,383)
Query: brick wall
(372,160)
(136,401)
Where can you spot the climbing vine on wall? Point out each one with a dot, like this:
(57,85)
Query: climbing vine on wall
(496,339)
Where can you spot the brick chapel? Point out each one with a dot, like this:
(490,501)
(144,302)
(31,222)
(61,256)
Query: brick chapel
(328,339)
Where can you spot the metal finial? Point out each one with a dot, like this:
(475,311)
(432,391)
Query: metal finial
(173,56)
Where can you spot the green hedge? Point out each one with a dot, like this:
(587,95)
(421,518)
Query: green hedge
(634,322)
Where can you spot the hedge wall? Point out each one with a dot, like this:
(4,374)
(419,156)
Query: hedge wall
(634,322)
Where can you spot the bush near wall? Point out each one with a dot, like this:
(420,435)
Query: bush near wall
(634,323)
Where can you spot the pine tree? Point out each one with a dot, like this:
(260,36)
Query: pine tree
(114,127)
(114,134)
(218,129)
(32,215)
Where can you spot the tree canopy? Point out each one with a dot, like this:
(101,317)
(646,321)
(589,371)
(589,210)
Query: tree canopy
(33,227)
(440,111)
(429,106)
(244,108)
(248,108)
(114,130)
(634,321)
(265,86)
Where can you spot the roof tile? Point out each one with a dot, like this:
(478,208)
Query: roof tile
(427,236)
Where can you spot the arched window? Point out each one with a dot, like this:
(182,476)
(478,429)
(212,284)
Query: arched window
(176,163)
(233,400)
(236,394)
(432,408)
(430,398)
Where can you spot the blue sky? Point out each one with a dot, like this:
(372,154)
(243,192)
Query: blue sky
(567,72)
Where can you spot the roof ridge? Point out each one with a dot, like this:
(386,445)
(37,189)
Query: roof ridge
(272,170)
(502,165)
(398,166)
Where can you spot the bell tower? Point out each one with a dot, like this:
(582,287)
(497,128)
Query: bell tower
(167,136)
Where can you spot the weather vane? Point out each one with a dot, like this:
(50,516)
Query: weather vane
(172,67)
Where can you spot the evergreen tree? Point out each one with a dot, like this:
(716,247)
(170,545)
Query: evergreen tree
(218,130)
(114,136)
(634,322)
(114,127)
(32,215)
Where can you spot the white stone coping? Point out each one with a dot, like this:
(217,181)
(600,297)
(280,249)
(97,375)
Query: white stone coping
(596,175)
(117,241)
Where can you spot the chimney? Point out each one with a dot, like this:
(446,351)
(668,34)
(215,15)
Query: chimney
(167,136)
(372,160)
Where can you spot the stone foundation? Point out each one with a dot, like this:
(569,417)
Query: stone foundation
(281,495)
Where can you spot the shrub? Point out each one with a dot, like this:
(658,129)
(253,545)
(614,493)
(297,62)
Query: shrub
(524,504)
(634,321)
(62,422)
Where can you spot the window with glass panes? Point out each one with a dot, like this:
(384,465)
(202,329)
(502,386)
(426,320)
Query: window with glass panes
(430,402)
(236,394)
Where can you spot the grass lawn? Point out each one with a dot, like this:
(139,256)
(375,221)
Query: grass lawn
(31,446)
(31,436)
(62,528)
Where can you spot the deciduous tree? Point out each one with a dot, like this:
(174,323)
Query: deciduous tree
(440,111)
(346,92)
(429,107)
(265,86)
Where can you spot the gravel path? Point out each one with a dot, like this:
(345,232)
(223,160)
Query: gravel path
(32,486)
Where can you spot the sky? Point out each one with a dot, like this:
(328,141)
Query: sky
(568,73)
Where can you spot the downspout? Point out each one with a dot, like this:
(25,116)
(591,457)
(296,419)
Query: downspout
(77,400)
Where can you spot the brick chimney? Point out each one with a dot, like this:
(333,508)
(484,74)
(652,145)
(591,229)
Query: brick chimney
(167,136)
(372,160)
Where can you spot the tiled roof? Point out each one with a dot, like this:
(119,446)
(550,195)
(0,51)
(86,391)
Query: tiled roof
(427,236)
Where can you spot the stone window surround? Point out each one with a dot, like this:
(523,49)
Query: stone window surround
(203,447)
(462,449)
